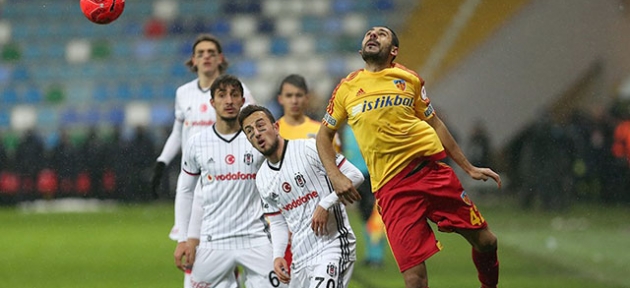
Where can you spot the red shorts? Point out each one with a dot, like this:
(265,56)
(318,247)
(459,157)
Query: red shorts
(408,200)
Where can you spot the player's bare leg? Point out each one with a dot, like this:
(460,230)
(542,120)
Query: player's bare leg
(484,255)
(416,276)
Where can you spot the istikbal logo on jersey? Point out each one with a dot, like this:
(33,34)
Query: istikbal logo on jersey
(381,102)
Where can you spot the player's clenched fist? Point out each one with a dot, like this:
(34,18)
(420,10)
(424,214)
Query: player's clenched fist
(280,267)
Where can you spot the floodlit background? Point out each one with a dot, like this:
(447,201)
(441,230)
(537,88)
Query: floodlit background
(538,90)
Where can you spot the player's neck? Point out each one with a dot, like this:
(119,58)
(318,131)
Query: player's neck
(205,81)
(294,120)
(376,66)
(227,126)
(276,156)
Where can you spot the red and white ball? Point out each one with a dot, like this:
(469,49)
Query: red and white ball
(102,11)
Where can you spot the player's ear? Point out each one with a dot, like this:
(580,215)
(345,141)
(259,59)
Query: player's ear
(394,51)
(212,103)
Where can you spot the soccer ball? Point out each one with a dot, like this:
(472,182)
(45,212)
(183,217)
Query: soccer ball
(102,11)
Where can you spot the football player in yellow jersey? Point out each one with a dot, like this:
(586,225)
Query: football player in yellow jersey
(402,140)
(293,96)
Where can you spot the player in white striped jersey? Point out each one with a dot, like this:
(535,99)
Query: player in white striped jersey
(298,197)
(225,227)
(192,109)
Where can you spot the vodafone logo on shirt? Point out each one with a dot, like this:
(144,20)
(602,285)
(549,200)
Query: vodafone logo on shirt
(301,201)
(232,176)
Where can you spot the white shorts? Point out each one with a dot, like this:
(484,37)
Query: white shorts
(215,268)
(330,272)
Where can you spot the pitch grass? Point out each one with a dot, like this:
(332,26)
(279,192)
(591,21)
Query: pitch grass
(128,247)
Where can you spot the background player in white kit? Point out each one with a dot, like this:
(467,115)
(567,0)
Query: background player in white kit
(226,220)
(192,110)
(297,196)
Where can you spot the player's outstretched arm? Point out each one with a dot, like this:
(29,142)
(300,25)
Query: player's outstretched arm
(341,183)
(455,152)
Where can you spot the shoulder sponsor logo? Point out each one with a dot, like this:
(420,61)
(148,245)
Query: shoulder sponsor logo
(230,159)
(232,176)
(330,120)
(301,201)
(429,111)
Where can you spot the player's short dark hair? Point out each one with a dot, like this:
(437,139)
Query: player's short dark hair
(251,109)
(207,37)
(395,40)
(224,81)
(295,80)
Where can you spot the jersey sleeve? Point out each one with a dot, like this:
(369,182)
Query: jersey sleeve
(189,162)
(179,110)
(173,143)
(424,109)
(247,94)
(335,111)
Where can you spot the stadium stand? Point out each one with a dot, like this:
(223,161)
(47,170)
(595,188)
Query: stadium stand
(64,65)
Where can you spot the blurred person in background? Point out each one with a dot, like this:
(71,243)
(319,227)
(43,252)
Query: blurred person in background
(9,180)
(293,96)
(193,113)
(546,165)
(140,153)
(297,197)
(222,225)
(402,140)
(480,146)
(30,159)
(63,160)
(115,165)
(90,164)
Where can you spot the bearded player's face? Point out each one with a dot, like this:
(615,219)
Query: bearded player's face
(377,45)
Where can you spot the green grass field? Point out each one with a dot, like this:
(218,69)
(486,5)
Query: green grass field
(127,246)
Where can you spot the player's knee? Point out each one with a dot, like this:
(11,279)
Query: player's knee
(415,281)
(416,277)
(487,241)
